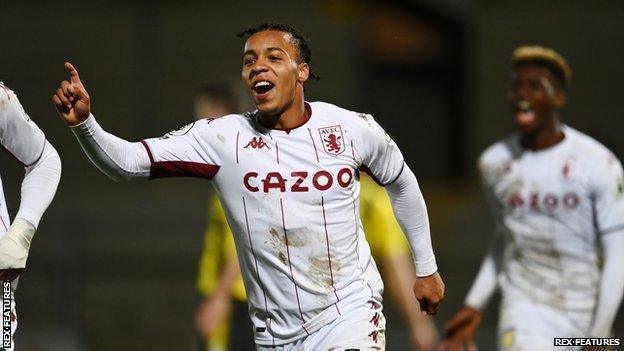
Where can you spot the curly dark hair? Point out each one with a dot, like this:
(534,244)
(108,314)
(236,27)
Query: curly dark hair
(305,54)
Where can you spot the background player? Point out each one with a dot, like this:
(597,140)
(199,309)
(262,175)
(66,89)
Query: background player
(222,315)
(557,197)
(308,272)
(21,138)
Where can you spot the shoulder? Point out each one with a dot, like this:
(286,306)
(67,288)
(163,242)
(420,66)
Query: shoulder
(586,146)
(498,155)
(595,157)
(7,96)
(326,110)
(230,122)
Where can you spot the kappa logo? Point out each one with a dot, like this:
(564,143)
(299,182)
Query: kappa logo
(333,140)
(257,143)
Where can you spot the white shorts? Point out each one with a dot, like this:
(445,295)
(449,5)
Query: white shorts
(525,325)
(362,327)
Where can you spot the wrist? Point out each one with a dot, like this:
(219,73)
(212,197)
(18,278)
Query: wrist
(22,232)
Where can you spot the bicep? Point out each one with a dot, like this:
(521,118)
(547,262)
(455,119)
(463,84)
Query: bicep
(19,135)
(183,155)
(381,157)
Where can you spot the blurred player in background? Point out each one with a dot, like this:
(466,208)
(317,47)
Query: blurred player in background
(27,144)
(222,315)
(558,199)
(286,175)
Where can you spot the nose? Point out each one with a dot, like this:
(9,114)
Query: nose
(257,68)
(521,92)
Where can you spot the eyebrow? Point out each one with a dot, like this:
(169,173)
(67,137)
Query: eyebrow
(272,48)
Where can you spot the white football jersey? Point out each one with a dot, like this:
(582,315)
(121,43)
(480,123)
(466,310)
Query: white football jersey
(552,206)
(20,137)
(292,201)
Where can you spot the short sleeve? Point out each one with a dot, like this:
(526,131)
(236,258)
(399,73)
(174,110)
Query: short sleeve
(186,152)
(19,135)
(381,157)
(607,183)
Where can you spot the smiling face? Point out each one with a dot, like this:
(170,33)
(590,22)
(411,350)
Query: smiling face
(273,72)
(534,96)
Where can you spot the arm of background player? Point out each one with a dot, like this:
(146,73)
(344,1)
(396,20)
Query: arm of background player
(39,185)
(410,210)
(117,158)
(607,179)
(611,284)
(484,284)
(21,137)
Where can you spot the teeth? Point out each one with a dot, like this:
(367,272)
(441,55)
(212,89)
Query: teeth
(262,83)
(524,105)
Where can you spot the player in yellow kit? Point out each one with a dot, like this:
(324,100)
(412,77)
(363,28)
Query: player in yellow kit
(221,283)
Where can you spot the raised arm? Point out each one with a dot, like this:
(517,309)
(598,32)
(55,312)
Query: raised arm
(115,157)
(185,153)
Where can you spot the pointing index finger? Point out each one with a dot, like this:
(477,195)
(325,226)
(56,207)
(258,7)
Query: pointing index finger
(73,73)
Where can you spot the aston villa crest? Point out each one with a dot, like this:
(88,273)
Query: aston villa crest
(333,140)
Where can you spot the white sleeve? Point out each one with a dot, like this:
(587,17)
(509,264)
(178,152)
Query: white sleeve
(380,155)
(607,187)
(191,151)
(411,212)
(23,139)
(185,152)
(611,284)
(19,135)
(117,158)
(484,284)
(39,185)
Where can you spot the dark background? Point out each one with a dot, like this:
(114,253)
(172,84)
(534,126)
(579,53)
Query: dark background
(113,265)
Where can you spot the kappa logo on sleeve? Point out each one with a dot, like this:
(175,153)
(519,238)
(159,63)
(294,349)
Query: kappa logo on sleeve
(333,140)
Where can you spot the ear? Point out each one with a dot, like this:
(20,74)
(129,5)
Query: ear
(560,98)
(303,72)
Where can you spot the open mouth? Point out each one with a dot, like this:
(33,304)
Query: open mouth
(524,113)
(262,87)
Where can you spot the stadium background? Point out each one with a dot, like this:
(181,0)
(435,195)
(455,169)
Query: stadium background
(113,266)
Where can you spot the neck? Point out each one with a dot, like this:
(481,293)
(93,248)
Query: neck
(545,137)
(293,116)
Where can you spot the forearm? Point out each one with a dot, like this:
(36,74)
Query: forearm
(399,274)
(484,284)
(117,158)
(611,284)
(410,210)
(231,272)
(39,185)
